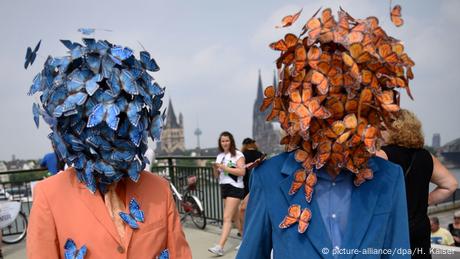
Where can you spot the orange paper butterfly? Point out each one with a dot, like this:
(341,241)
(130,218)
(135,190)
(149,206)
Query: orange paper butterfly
(288,20)
(295,214)
(396,16)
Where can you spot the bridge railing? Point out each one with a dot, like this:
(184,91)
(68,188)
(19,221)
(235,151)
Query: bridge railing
(178,168)
(16,186)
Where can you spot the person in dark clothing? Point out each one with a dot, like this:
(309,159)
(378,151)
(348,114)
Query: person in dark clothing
(404,146)
(252,155)
(454,228)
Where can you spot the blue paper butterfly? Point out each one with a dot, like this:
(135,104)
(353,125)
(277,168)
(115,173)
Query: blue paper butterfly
(70,103)
(71,251)
(108,113)
(128,81)
(88,177)
(134,170)
(31,55)
(118,54)
(164,254)
(102,104)
(36,112)
(148,62)
(135,214)
(70,45)
(89,31)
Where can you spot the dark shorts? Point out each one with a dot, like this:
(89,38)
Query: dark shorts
(228,190)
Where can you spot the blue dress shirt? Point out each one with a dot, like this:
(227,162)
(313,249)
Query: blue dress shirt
(333,197)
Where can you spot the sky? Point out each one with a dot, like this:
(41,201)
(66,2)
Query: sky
(210,52)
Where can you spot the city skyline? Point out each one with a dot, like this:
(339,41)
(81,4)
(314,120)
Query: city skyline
(210,55)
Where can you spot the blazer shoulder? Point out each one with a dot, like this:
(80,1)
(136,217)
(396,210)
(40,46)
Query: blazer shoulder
(60,181)
(388,172)
(270,167)
(152,180)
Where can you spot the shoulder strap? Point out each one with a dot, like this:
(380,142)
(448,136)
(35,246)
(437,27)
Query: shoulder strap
(411,163)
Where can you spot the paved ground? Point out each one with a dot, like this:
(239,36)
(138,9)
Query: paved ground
(199,241)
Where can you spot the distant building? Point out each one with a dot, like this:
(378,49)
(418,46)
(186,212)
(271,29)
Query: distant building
(266,134)
(451,153)
(3,166)
(436,143)
(19,164)
(172,138)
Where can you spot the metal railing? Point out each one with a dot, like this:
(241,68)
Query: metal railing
(17,187)
(177,168)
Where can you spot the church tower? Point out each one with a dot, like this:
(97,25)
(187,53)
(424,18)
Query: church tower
(264,132)
(172,138)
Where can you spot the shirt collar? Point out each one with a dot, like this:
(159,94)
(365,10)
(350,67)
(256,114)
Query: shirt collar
(343,175)
(291,165)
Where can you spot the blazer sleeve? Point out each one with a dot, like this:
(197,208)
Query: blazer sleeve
(397,234)
(42,241)
(177,244)
(257,236)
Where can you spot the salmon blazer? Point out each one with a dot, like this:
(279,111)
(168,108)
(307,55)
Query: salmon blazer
(64,208)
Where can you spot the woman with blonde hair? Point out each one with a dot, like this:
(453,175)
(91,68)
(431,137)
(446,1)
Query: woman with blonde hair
(404,143)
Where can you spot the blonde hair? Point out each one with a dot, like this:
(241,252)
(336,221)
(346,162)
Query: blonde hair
(457,214)
(406,131)
(249,146)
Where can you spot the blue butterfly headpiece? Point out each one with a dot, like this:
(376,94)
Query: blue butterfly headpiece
(101,104)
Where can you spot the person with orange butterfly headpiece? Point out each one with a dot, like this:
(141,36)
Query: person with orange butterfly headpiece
(329,196)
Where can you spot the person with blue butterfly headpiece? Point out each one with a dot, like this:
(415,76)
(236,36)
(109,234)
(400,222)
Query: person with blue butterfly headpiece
(102,104)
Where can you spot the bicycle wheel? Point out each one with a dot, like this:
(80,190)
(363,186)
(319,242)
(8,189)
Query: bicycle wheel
(197,215)
(19,227)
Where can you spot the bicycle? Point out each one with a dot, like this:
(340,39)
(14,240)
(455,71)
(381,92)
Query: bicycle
(190,203)
(10,212)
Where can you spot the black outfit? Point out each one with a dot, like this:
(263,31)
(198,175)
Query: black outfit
(228,190)
(417,165)
(455,232)
(250,156)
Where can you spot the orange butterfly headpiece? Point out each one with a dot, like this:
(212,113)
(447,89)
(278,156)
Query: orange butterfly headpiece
(338,88)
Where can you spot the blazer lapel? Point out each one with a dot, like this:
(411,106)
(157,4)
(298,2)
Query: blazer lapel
(96,206)
(288,169)
(363,201)
(316,231)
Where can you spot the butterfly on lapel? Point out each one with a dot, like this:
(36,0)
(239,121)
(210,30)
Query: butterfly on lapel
(296,214)
(164,254)
(301,178)
(135,214)
(71,251)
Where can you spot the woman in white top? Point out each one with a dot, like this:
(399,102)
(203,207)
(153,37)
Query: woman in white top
(229,167)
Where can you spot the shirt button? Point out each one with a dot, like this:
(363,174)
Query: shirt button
(120,249)
(333,183)
(334,216)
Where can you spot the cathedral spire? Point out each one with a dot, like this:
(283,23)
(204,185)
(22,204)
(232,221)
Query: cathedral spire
(171,119)
(260,94)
